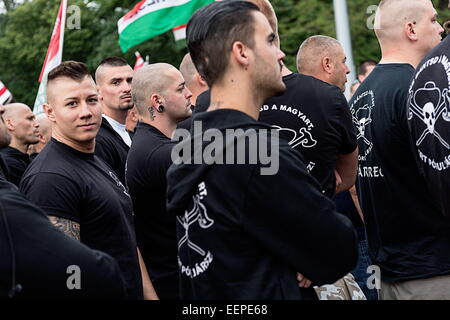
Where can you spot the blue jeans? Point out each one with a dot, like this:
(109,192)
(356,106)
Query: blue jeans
(360,272)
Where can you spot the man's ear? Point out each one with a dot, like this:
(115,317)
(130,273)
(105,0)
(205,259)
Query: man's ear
(201,80)
(48,109)
(155,100)
(326,65)
(240,52)
(410,30)
(9,124)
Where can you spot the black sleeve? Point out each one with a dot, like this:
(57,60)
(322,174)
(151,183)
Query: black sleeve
(295,221)
(43,255)
(161,159)
(104,151)
(345,127)
(56,195)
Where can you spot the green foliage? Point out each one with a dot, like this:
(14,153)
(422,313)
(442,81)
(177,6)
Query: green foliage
(25,33)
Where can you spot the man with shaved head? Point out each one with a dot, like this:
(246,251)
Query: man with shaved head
(44,135)
(408,236)
(323,58)
(113,78)
(23,129)
(196,84)
(79,192)
(162,100)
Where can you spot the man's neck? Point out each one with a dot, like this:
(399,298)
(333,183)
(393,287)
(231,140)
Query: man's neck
(118,115)
(162,124)
(400,55)
(18,145)
(85,147)
(236,95)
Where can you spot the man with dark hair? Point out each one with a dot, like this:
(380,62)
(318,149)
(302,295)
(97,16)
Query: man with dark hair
(82,195)
(113,78)
(161,98)
(37,260)
(23,129)
(408,236)
(365,68)
(226,233)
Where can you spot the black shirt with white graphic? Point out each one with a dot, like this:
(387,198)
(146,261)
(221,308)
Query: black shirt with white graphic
(147,164)
(408,236)
(80,187)
(429,122)
(244,233)
(16,162)
(313,116)
(110,147)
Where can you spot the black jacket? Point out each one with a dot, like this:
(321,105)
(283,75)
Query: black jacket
(244,235)
(43,255)
(111,148)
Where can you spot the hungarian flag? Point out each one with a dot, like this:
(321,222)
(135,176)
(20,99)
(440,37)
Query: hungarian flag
(139,61)
(179,32)
(53,57)
(5,94)
(150,18)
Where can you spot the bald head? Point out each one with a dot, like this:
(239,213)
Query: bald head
(45,126)
(148,80)
(313,50)
(188,70)
(15,111)
(392,15)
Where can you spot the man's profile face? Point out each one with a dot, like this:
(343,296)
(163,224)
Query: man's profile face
(5,138)
(268,58)
(340,69)
(428,29)
(177,96)
(26,128)
(114,87)
(75,109)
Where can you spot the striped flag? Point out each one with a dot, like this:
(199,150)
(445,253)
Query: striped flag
(179,32)
(53,57)
(150,18)
(5,94)
(139,61)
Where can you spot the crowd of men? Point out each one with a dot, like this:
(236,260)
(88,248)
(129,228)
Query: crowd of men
(152,184)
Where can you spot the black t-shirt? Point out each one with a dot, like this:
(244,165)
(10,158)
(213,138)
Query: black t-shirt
(16,161)
(44,256)
(313,116)
(147,164)
(407,234)
(110,147)
(429,122)
(80,187)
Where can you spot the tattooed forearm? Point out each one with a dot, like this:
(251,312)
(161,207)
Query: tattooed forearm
(70,228)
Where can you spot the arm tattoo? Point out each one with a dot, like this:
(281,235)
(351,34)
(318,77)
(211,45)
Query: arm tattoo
(70,228)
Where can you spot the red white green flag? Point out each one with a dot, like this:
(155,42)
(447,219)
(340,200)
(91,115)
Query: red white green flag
(150,18)
(53,57)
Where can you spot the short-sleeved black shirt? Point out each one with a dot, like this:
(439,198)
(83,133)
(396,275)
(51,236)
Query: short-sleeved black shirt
(407,234)
(314,117)
(429,122)
(147,164)
(80,187)
(16,162)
